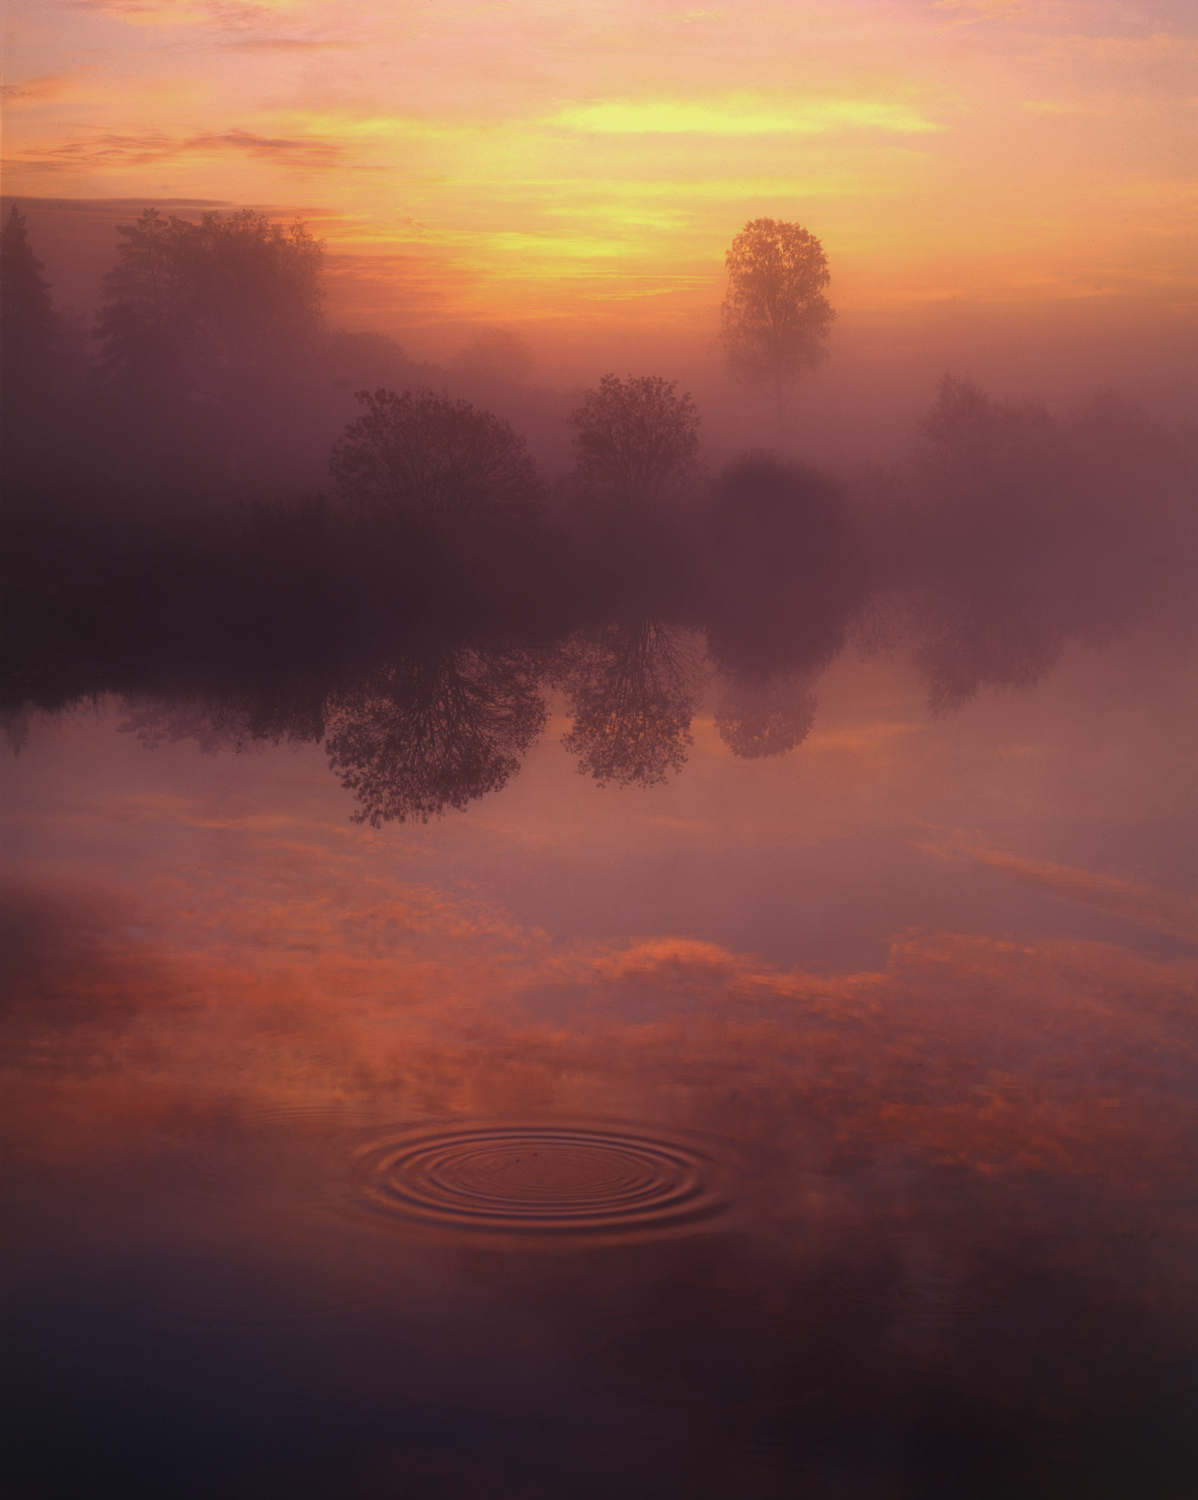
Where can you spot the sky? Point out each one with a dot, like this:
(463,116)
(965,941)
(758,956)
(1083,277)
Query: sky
(991,181)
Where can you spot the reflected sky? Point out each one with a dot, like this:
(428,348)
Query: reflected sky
(806,1125)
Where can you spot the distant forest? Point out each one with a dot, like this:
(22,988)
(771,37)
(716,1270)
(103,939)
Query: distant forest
(251,526)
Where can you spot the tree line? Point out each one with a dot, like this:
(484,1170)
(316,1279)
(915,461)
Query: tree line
(415,613)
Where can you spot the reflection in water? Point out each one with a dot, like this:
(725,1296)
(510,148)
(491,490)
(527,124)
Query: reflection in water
(918,1233)
(328,1179)
(712,1363)
(633,690)
(765,719)
(1031,530)
(434,731)
(539,1179)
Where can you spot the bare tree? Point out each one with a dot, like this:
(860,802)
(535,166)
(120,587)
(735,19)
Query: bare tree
(775,318)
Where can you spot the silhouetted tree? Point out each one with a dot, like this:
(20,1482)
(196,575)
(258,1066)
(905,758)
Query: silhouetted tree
(775,317)
(633,691)
(426,457)
(635,441)
(434,731)
(28,322)
(208,304)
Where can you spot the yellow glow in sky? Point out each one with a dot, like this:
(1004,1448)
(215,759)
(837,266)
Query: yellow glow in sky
(543,165)
(736,115)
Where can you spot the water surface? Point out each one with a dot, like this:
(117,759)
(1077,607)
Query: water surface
(814,1125)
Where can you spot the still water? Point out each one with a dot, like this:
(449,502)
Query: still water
(811,1125)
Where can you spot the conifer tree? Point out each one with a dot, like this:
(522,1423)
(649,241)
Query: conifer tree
(28,323)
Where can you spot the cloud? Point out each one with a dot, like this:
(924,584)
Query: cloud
(739,114)
(287,44)
(1164,911)
(148,147)
(966,12)
(34,90)
(203,12)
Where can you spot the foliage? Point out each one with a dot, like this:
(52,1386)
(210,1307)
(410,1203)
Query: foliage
(435,731)
(209,303)
(420,455)
(1031,530)
(28,322)
(633,689)
(775,318)
(635,440)
(756,721)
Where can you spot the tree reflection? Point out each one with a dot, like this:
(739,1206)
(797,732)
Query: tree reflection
(434,730)
(633,690)
(785,577)
(756,720)
(1032,530)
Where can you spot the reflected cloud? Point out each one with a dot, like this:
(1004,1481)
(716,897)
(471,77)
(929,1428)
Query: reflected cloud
(1165,911)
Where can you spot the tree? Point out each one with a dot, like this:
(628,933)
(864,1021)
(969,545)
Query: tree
(28,322)
(764,719)
(207,305)
(435,731)
(497,356)
(635,440)
(633,690)
(429,458)
(775,317)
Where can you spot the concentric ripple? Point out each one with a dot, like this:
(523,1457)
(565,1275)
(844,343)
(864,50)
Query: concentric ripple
(539,1179)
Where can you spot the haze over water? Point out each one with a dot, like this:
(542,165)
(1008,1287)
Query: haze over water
(571,929)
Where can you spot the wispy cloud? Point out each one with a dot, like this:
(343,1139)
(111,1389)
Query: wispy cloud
(190,12)
(1164,911)
(965,12)
(147,148)
(739,114)
(36,90)
(287,44)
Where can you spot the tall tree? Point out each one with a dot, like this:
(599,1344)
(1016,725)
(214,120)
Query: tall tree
(208,305)
(28,322)
(775,318)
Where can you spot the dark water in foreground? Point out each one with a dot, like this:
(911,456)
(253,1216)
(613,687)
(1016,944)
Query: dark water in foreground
(814,1127)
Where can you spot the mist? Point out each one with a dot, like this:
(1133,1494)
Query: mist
(275,528)
(573,927)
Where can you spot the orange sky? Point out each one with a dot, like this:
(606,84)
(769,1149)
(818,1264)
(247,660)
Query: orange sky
(547,166)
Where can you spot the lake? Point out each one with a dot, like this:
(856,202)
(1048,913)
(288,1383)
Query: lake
(769,1125)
